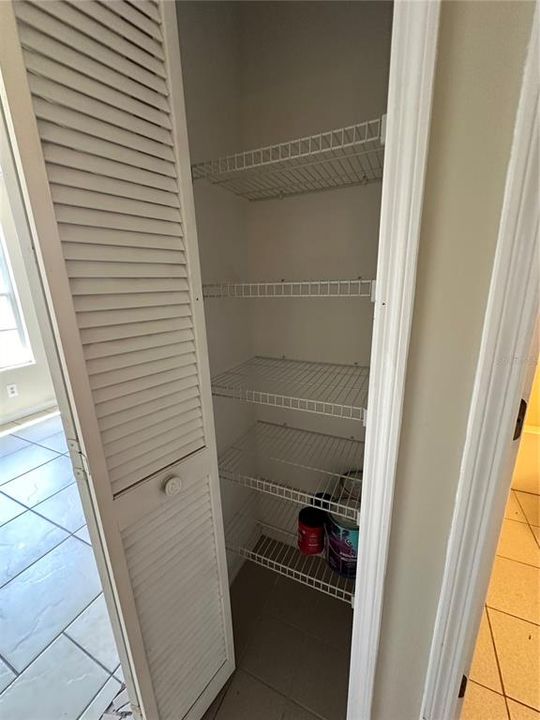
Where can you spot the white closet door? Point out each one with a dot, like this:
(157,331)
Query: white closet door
(94,96)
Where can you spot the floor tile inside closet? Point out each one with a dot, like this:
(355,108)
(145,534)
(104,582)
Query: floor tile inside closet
(292,648)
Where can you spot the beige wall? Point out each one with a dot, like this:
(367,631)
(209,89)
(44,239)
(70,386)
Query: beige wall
(481,55)
(33,381)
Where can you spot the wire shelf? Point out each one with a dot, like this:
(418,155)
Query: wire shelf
(337,158)
(295,464)
(322,388)
(290,289)
(270,540)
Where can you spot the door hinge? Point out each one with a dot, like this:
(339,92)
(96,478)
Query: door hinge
(462,687)
(520,419)
(373,290)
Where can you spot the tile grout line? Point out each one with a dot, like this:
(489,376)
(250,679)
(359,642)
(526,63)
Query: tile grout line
(278,692)
(505,557)
(31,507)
(34,468)
(528,522)
(53,640)
(70,534)
(84,650)
(10,666)
(517,617)
(497,661)
(85,708)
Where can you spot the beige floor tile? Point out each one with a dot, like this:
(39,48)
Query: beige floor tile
(521,712)
(517,543)
(483,704)
(513,510)
(517,644)
(536,531)
(531,506)
(247,698)
(484,665)
(274,654)
(514,588)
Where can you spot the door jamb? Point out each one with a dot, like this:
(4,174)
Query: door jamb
(410,90)
(503,365)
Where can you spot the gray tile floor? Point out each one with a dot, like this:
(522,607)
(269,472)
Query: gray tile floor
(292,652)
(58,658)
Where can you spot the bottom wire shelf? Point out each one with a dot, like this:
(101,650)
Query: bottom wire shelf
(265,533)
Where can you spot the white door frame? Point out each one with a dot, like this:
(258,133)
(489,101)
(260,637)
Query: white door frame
(503,371)
(412,69)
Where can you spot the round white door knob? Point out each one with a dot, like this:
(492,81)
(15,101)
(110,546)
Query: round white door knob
(172,486)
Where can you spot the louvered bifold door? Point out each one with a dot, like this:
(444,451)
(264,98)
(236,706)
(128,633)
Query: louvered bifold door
(119,255)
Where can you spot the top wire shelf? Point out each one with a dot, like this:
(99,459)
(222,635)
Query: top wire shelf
(291,289)
(337,158)
(316,387)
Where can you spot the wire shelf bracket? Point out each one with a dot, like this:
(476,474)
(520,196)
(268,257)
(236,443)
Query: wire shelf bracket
(337,158)
(315,387)
(269,457)
(291,289)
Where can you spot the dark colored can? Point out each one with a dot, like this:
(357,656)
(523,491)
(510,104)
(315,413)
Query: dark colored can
(311,531)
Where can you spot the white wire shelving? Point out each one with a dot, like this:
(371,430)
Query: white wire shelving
(267,535)
(337,158)
(295,465)
(290,289)
(315,387)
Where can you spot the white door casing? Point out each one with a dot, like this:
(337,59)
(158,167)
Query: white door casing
(503,376)
(94,106)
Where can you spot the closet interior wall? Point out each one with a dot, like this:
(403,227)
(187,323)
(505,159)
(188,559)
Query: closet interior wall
(258,73)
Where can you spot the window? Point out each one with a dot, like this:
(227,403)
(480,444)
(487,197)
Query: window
(14,345)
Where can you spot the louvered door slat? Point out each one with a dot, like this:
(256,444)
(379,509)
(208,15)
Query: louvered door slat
(40,65)
(66,97)
(129,460)
(111,150)
(116,221)
(122,477)
(95,236)
(121,27)
(115,377)
(106,302)
(93,269)
(71,17)
(164,412)
(127,360)
(83,43)
(116,189)
(136,18)
(108,203)
(112,253)
(106,333)
(50,48)
(45,110)
(121,317)
(135,344)
(126,443)
(148,8)
(118,421)
(108,286)
(111,409)
(131,388)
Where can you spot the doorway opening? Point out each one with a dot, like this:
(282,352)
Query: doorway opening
(504,677)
